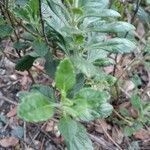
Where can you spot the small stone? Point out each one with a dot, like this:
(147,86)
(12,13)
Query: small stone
(2,71)
(13,77)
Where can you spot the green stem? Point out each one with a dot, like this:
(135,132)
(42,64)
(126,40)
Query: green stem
(121,117)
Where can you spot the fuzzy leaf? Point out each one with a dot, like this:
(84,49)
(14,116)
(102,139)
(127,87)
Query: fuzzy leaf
(35,107)
(81,140)
(111,27)
(5,30)
(84,66)
(40,49)
(25,63)
(90,104)
(67,128)
(65,75)
(101,13)
(45,90)
(74,134)
(115,45)
(136,102)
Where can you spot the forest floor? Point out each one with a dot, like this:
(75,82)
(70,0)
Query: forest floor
(16,134)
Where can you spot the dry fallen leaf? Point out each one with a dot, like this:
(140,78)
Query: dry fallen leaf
(9,141)
(124,105)
(117,135)
(109,69)
(12,112)
(49,126)
(133,112)
(128,86)
(98,127)
(142,134)
(24,82)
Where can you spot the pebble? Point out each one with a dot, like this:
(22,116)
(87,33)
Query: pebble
(2,72)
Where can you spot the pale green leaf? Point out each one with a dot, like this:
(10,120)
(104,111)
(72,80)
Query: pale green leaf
(88,4)
(84,66)
(67,128)
(92,96)
(5,30)
(90,104)
(101,13)
(65,75)
(40,49)
(111,27)
(35,107)
(103,111)
(45,90)
(81,140)
(115,45)
(136,102)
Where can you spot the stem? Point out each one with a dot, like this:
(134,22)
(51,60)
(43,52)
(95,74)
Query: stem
(7,14)
(42,22)
(121,117)
(76,2)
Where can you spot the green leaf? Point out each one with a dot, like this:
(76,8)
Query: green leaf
(25,63)
(94,54)
(115,45)
(84,66)
(21,45)
(77,11)
(74,134)
(135,145)
(88,4)
(81,140)
(90,104)
(35,107)
(40,49)
(80,81)
(67,128)
(50,64)
(101,13)
(148,1)
(143,15)
(103,111)
(111,27)
(21,2)
(128,131)
(136,102)
(92,96)
(65,75)
(29,13)
(103,62)
(5,30)
(45,90)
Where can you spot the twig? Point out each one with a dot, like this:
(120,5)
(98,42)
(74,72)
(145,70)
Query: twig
(48,136)
(42,22)
(24,127)
(122,90)
(11,22)
(136,10)
(8,100)
(102,142)
(128,66)
(109,136)
(121,117)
